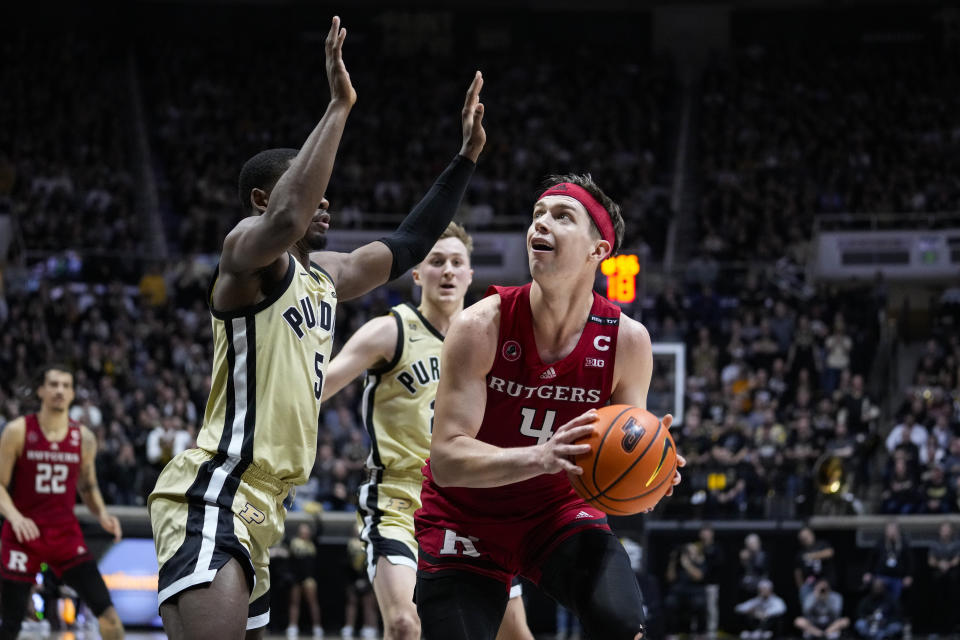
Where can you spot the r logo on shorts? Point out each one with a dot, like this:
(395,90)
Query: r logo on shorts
(17,561)
(450,540)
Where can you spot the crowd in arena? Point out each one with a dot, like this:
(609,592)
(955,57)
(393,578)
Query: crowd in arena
(65,174)
(833,596)
(204,128)
(788,133)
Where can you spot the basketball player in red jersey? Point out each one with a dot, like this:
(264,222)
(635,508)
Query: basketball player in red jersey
(50,458)
(496,500)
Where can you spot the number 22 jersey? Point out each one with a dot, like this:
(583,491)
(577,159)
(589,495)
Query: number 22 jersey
(45,476)
(527,400)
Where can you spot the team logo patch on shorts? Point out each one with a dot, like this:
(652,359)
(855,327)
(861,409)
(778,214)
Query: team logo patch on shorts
(251,514)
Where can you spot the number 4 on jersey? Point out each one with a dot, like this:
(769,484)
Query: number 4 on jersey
(544,432)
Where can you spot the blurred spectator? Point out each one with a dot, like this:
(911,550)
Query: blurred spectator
(951,462)
(86,412)
(686,602)
(943,559)
(166,440)
(936,494)
(822,613)
(649,587)
(714,566)
(814,562)
(857,410)
(907,433)
(303,565)
(153,286)
(891,562)
(121,480)
(901,493)
(838,347)
(360,601)
(763,613)
(753,563)
(802,452)
(878,613)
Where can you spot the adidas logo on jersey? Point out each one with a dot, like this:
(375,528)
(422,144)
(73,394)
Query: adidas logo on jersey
(549,373)
(582,515)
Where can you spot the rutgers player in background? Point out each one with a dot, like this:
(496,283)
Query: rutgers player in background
(50,458)
(496,500)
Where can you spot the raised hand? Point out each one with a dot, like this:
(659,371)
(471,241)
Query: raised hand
(474,137)
(554,454)
(341,90)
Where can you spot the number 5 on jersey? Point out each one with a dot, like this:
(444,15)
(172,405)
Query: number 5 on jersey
(318,369)
(546,429)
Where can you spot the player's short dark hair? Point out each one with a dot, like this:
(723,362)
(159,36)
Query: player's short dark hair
(585,180)
(52,366)
(262,172)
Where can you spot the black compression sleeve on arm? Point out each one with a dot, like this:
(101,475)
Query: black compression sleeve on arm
(413,239)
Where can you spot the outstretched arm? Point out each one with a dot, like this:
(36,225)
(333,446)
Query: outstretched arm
(89,490)
(259,241)
(372,345)
(11,444)
(457,458)
(374,264)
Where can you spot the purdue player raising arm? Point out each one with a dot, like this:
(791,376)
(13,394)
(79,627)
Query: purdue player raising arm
(217,509)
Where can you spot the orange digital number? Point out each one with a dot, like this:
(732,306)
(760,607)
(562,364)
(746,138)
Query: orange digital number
(621,273)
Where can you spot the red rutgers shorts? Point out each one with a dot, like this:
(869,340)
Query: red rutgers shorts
(61,547)
(501,549)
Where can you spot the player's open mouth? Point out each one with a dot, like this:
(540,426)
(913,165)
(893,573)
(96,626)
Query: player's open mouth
(448,286)
(540,245)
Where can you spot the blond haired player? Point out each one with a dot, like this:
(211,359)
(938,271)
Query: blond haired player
(401,354)
(217,509)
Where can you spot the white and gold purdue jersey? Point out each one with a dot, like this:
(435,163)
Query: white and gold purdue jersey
(398,397)
(269,363)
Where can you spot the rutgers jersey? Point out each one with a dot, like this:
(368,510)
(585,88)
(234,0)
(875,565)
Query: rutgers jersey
(45,475)
(526,401)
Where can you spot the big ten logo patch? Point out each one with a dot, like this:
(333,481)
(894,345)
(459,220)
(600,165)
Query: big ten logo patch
(511,350)
(399,504)
(452,544)
(252,515)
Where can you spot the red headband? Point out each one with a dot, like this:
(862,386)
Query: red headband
(599,215)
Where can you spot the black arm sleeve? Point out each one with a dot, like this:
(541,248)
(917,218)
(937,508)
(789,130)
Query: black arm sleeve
(413,239)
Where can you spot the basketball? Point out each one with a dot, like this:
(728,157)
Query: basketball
(631,463)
